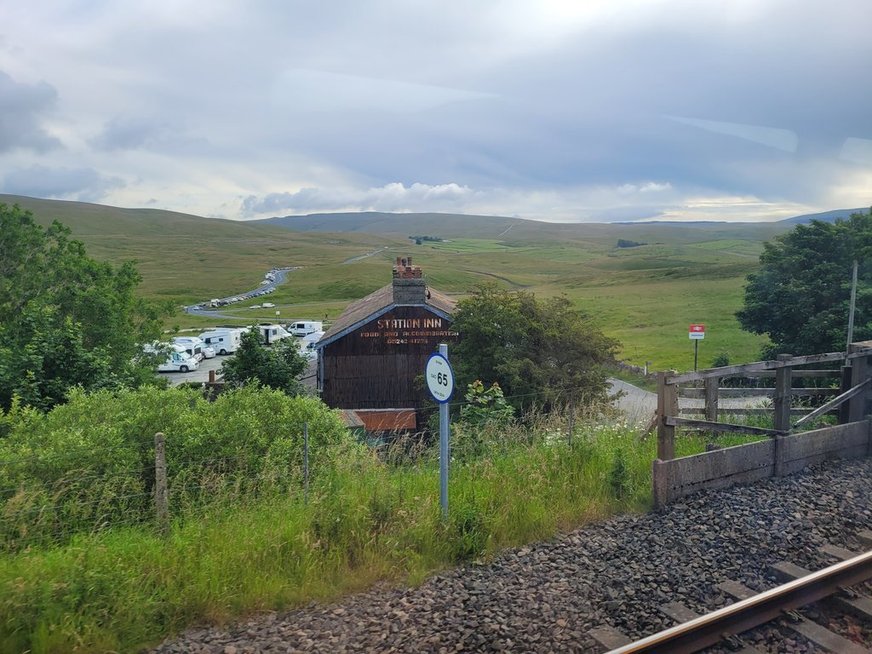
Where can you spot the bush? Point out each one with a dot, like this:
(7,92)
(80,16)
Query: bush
(90,463)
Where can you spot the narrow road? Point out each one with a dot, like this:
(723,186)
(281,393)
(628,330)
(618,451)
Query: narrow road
(639,405)
(365,256)
(280,275)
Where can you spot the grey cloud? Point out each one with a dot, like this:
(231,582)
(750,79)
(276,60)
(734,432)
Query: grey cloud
(390,197)
(21,106)
(773,97)
(137,133)
(83,184)
(128,134)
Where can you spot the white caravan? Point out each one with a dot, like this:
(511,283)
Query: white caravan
(305,327)
(307,344)
(223,341)
(272,333)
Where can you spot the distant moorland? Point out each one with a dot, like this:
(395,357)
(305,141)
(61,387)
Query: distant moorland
(645,293)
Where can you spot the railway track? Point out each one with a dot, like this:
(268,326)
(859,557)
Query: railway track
(724,627)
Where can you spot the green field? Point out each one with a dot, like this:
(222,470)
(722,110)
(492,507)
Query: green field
(645,296)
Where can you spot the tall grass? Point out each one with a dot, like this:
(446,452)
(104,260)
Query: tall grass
(240,548)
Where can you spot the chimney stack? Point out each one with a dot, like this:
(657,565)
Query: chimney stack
(409,286)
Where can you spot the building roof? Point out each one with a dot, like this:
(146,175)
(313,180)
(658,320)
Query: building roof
(378,303)
(387,420)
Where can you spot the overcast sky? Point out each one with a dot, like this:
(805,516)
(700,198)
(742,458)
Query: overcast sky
(575,110)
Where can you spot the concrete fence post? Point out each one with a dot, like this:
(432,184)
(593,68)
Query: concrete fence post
(161,497)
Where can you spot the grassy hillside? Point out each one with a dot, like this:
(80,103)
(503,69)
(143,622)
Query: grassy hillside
(646,296)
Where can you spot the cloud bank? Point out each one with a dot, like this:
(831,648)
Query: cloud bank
(556,110)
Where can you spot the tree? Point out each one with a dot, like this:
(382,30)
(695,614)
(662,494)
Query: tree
(800,296)
(540,352)
(278,368)
(65,319)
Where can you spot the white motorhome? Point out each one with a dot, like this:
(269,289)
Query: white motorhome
(178,360)
(272,333)
(223,341)
(305,327)
(195,347)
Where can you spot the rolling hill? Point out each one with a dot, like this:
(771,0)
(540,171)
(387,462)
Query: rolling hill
(825,216)
(644,295)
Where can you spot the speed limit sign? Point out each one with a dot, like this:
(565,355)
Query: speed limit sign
(440,378)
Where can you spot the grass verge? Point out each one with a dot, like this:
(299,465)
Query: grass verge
(367,520)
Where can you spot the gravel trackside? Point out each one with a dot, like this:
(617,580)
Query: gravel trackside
(546,596)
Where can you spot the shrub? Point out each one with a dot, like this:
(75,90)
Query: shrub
(90,463)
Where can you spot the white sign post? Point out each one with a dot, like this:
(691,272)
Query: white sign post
(696,332)
(440,381)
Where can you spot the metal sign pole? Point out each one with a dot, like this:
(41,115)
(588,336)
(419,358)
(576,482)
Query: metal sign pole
(443,447)
(695,353)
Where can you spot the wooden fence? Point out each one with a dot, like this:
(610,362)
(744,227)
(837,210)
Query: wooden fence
(785,451)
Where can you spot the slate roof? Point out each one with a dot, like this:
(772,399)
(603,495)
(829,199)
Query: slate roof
(377,303)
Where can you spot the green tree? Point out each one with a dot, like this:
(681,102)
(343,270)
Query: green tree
(278,367)
(800,296)
(65,319)
(540,352)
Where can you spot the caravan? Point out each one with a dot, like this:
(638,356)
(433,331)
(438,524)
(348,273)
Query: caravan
(272,333)
(223,341)
(305,327)
(307,344)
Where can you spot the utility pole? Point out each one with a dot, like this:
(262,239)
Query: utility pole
(853,304)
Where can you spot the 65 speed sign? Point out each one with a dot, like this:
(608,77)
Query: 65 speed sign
(440,378)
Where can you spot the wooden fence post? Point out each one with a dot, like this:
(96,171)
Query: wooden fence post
(667,406)
(844,386)
(571,417)
(859,373)
(711,398)
(306,462)
(161,504)
(781,400)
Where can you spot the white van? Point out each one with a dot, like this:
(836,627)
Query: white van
(305,327)
(223,341)
(178,360)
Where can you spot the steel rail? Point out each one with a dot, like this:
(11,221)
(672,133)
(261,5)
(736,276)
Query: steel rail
(709,629)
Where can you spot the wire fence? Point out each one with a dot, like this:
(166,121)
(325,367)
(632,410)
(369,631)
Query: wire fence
(43,502)
(49,498)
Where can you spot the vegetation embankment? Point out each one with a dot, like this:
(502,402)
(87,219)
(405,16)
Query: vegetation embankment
(83,567)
